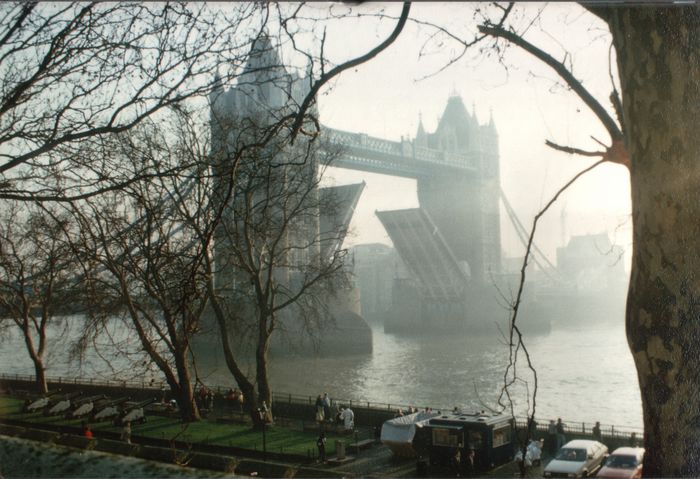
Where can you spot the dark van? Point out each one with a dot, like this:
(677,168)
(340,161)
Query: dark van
(447,442)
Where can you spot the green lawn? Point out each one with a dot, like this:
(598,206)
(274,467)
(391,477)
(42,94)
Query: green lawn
(278,439)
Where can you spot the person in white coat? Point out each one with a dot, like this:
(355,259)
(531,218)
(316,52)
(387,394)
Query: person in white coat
(348,418)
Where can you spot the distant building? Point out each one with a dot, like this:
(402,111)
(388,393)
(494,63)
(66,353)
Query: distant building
(591,262)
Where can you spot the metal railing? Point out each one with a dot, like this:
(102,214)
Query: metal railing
(583,428)
(607,430)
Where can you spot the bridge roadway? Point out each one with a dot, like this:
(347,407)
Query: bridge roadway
(362,152)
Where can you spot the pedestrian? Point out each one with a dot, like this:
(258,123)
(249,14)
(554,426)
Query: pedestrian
(633,440)
(455,462)
(561,438)
(202,397)
(321,444)
(231,399)
(241,401)
(326,407)
(532,427)
(126,432)
(86,431)
(596,432)
(348,418)
(339,416)
(319,409)
(552,437)
(469,464)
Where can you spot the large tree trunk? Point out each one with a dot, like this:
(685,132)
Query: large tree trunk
(261,376)
(658,53)
(40,372)
(185,394)
(36,356)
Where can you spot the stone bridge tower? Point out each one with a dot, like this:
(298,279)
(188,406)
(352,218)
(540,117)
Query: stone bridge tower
(465,206)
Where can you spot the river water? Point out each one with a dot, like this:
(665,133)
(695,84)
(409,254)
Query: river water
(585,373)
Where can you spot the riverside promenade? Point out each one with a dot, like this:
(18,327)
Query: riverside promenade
(239,449)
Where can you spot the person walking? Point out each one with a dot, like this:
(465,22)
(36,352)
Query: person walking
(561,438)
(321,444)
(469,463)
(348,418)
(319,409)
(326,407)
(551,443)
(596,432)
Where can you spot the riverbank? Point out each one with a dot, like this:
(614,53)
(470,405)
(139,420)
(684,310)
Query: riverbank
(226,443)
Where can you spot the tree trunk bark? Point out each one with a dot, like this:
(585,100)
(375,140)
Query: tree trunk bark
(37,359)
(40,372)
(264,391)
(658,52)
(188,407)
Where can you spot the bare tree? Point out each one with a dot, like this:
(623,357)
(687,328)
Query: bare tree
(275,267)
(73,73)
(272,260)
(37,271)
(149,271)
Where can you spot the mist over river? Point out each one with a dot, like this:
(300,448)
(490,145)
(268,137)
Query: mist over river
(586,373)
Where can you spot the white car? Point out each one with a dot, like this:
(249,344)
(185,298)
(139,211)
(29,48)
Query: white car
(577,458)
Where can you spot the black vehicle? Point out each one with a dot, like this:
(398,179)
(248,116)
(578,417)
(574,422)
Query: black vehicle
(464,443)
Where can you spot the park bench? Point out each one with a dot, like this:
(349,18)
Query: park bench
(356,447)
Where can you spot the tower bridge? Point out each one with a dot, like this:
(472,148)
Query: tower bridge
(403,158)
(456,169)
(452,242)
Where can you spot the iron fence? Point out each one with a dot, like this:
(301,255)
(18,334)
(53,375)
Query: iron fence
(572,428)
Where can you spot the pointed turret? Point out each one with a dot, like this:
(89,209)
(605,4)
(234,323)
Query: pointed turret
(263,56)
(421,136)
(455,131)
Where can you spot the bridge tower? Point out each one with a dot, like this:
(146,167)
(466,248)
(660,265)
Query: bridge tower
(465,206)
(282,180)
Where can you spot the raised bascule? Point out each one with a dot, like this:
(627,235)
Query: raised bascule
(451,244)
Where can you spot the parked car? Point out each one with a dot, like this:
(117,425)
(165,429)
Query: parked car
(577,458)
(623,463)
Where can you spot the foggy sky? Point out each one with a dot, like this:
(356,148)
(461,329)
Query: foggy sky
(385,97)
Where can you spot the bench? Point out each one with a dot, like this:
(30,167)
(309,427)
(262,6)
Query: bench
(356,447)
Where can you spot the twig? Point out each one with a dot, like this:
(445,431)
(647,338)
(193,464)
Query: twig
(326,77)
(516,342)
(607,121)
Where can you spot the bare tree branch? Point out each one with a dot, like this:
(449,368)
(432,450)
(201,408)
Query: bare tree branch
(607,121)
(326,77)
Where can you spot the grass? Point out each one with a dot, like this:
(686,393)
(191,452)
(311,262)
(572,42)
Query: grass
(278,439)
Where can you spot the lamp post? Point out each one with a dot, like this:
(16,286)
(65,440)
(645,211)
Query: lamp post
(262,412)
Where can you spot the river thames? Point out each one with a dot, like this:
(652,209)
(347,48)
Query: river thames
(586,373)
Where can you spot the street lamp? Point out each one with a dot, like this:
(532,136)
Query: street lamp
(262,413)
